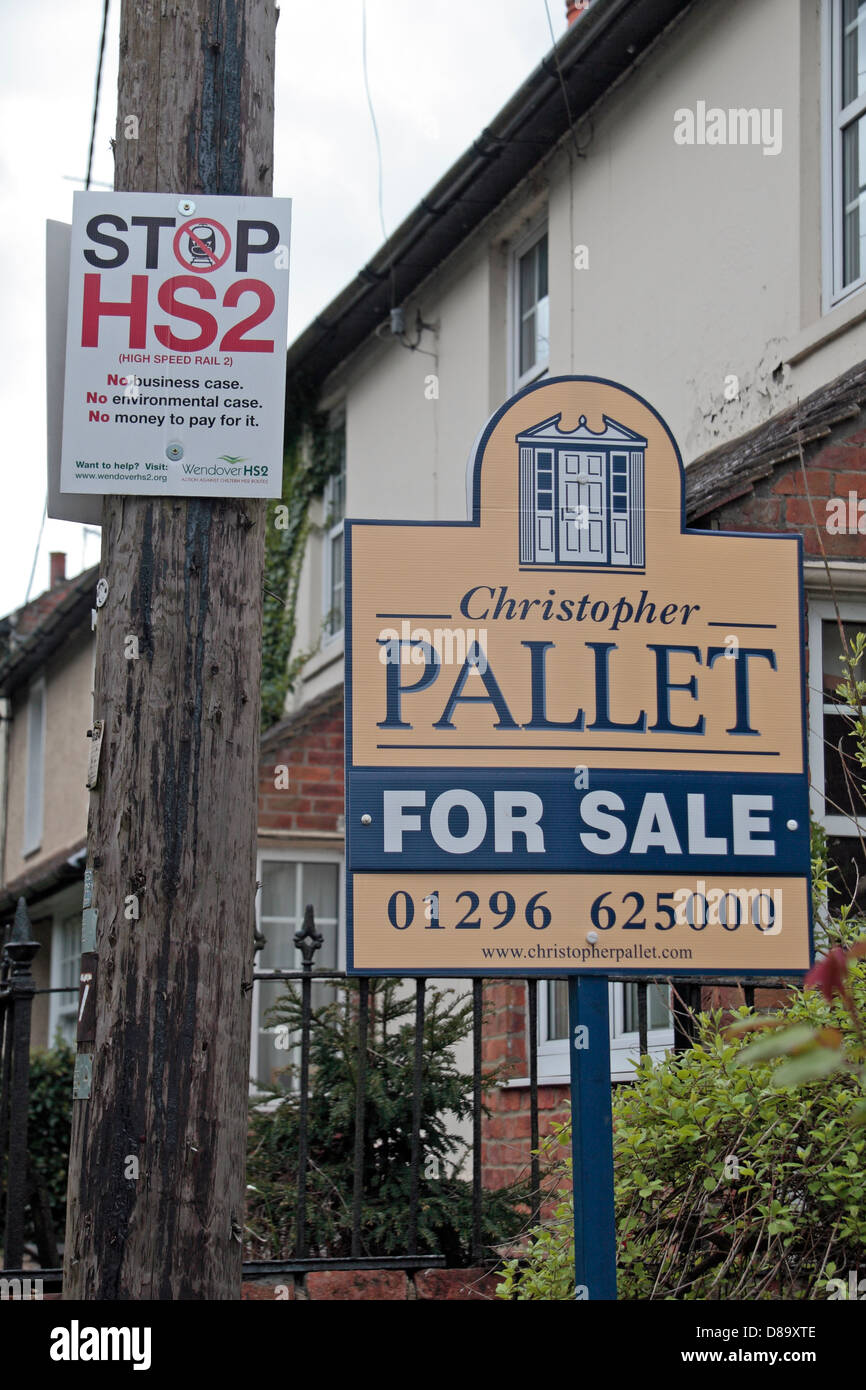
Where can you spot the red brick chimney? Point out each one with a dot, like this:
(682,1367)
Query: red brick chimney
(575,8)
(58,568)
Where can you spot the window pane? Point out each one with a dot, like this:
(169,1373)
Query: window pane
(68,970)
(278,953)
(285,886)
(533,326)
(542,332)
(338,496)
(658,1007)
(70,959)
(847,857)
(843,775)
(831,643)
(557,1009)
(320,889)
(335,490)
(335,621)
(527,343)
(278,889)
(527,282)
(272,1059)
(854,200)
(853,49)
(70,952)
(541,252)
(657,1010)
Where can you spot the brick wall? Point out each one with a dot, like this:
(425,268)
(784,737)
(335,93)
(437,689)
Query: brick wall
(783,502)
(309,795)
(379,1285)
(505,1132)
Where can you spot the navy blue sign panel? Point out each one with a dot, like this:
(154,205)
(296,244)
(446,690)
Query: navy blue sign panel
(525,820)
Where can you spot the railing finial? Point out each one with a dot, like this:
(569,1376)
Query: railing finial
(307,939)
(21,931)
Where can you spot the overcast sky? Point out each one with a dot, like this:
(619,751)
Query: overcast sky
(438,72)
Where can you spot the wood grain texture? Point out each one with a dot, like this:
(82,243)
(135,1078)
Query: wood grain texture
(173,817)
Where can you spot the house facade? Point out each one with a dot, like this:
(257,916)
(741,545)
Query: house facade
(46,705)
(674,200)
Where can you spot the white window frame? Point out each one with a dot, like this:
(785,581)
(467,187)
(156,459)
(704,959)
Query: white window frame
(553,1061)
(821,611)
(538,229)
(299,855)
(34,768)
(58,1010)
(625,1047)
(835,121)
(333,533)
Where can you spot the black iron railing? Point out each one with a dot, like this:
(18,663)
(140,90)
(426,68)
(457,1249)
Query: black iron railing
(20,1187)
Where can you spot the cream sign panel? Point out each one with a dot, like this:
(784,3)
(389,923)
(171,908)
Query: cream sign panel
(575,728)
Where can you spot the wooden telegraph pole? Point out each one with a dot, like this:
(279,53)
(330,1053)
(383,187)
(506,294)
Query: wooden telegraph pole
(156,1177)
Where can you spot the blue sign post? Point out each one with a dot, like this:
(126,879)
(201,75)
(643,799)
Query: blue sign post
(591,1138)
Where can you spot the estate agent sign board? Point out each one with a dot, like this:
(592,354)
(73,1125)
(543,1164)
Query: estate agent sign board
(575,728)
(175,347)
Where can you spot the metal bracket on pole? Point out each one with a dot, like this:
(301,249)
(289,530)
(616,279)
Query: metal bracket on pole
(95,734)
(82,1079)
(591,1138)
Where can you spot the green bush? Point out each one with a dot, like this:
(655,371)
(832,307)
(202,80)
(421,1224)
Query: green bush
(445,1201)
(49,1124)
(727,1185)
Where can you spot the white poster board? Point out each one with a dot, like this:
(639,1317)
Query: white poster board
(61,507)
(176,345)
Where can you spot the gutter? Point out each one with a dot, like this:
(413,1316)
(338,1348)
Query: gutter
(45,878)
(33,650)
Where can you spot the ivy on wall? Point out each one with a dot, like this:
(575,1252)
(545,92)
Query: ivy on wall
(308,462)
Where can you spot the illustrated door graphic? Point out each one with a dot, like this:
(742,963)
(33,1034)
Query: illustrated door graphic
(582,507)
(582,495)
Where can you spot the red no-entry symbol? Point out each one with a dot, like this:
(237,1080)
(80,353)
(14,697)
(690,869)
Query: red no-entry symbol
(202,245)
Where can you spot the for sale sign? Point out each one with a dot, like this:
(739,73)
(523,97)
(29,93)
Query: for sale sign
(175,350)
(575,728)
